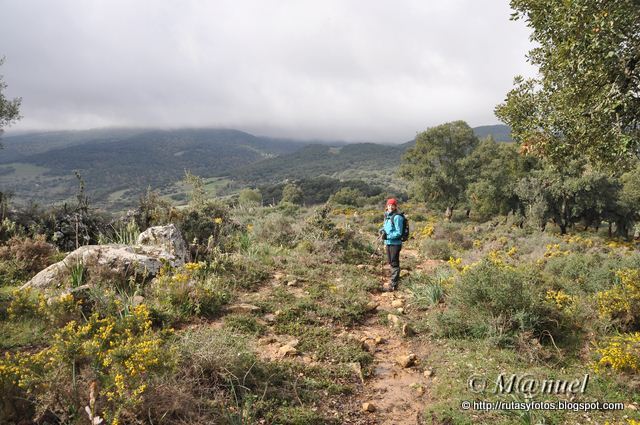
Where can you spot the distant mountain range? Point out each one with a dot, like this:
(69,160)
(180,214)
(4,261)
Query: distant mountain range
(499,132)
(119,164)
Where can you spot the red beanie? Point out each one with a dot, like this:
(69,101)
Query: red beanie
(392,202)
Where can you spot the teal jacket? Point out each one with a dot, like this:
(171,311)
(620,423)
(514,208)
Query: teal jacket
(393,225)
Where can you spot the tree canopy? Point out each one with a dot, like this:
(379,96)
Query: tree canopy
(9,108)
(435,164)
(585,101)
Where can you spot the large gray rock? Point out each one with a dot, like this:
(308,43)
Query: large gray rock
(167,238)
(154,247)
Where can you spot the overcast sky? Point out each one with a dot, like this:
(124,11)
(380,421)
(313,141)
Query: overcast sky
(331,69)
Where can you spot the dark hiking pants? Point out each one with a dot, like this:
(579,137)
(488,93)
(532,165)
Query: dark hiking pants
(393,258)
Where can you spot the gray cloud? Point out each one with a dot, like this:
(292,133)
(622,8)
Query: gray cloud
(338,69)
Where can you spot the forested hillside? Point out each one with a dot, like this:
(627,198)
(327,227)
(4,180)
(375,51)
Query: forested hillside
(124,162)
(118,165)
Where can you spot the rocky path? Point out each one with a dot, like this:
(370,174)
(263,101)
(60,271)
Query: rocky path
(396,389)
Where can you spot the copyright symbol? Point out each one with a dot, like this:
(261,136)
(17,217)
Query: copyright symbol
(465,405)
(477,384)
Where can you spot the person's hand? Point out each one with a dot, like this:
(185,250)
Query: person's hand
(383,235)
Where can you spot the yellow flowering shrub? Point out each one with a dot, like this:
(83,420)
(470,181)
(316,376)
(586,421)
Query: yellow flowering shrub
(347,211)
(120,354)
(559,298)
(621,244)
(622,302)
(24,303)
(455,263)
(427,231)
(621,353)
(186,291)
(580,241)
(499,258)
(57,309)
(468,267)
(554,250)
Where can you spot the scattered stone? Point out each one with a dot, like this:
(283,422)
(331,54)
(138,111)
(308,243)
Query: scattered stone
(397,303)
(393,319)
(270,318)
(361,266)
(420,391)
(293,343)
(407,330)
(400,310)
(404,273)
(166,239)
(631,406)
(369,345)
(243,308)
(267,340)
(355,366)
(407,361)
(293,282)
(287,350)
(371,306)
(277,312)
(427,373)
(368,407)
(278,276)
(380,340)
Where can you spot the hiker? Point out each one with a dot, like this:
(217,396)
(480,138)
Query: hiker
(391,233)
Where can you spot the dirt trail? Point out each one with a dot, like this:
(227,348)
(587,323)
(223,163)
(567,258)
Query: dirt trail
(399,394)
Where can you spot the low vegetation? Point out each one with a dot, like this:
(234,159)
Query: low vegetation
(259,326)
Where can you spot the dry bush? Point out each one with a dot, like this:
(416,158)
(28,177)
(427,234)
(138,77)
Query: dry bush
(34,254)
(22,258)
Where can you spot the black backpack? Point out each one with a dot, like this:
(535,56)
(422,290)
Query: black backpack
(405,227)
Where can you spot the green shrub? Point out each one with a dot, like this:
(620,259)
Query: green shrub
(348,196)
(180,295)
(277,229)
(250,197)
(121,232)
(292,194)
(505,302)
(298,416)
(426,290)
(451,323)
(207,228)
(244,324)
(448,231)
(437,249)
(216,354)
(237,270)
